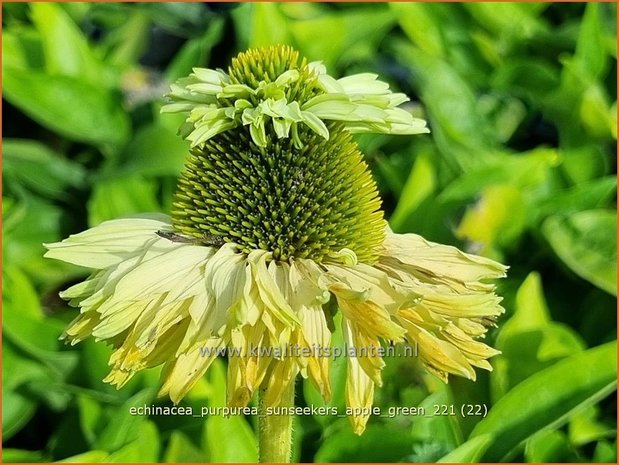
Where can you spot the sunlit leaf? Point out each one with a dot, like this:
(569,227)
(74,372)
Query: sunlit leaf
(66,50)
(586,427)
(420,184)
(586,242)
(22,456)
(469,452)
(145,448)
(93,456)
(530,341)
(496,219)
(67,105)
(559,391)
(37,168)
(550,446)
(591,55)
(124,427)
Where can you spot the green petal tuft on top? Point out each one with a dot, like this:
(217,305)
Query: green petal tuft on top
(273,86)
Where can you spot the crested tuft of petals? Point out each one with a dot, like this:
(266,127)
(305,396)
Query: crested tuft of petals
(216,101)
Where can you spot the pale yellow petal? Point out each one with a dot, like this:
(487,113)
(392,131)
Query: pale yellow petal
(359,389)
(369,316)
(382,290)
(282,374)
(188,368)
(269,291)
(435,352)
(108,243)
(441,260)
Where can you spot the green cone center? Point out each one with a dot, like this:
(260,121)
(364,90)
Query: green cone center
(307,202)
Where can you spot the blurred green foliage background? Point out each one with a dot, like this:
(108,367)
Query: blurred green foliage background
(520,166)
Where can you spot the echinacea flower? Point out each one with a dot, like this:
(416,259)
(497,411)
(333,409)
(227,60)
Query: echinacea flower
(275,215)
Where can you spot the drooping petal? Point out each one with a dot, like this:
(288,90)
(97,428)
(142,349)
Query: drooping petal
(282,374)
(436,353)
(108,243)
(308,296)
(359,387)
(440,261)
(183,373)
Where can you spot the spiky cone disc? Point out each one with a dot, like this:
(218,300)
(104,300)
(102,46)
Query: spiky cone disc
(307,202)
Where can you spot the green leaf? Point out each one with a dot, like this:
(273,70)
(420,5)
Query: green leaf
(585,163)
(145,448)
(529,340)
(497,219)
(18,369)
(23,319)
(268,26)
(516,21)
(66,50)
(547,399)
(89,416)
(437,430)
(342,445)
(128,42)
(595,112)
(26,226)
(586,242)
(586,427)
(124,427)
(69,106)
(182,450)
(28,329)
(228,439)
(155,150)
(420,184)
(21,375)
(591,56)
(21,456)
(13,54)
(529,77)
(113,198)
(469,452)
(17,410)
(337,38)
(195,52)
(523,170)
(93,456)
(421,25)
(37,168)
(459,128)
(598,193)
(605,453)
(548,447)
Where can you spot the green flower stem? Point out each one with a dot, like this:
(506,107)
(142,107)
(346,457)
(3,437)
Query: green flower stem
(275,431)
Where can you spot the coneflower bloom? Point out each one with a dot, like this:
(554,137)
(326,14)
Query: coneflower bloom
(276,214)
